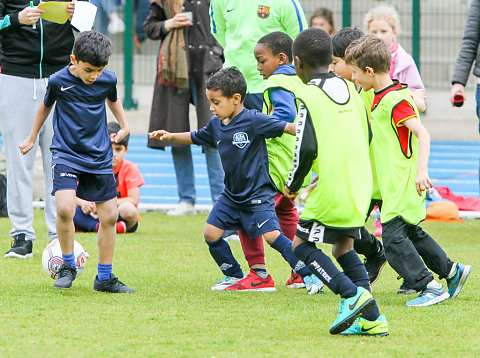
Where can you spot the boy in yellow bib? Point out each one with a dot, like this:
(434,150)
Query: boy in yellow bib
(401,147)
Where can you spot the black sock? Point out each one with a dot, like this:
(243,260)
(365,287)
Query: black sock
(222,254)
(355,270)
(261,272)
(284,246)
(322,266)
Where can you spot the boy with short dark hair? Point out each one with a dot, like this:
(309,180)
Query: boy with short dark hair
(401,146)
(333,141)
(274,62)
(82,152)
(247,201)
(128,180)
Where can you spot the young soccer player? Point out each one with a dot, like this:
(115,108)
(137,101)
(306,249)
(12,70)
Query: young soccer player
(82,152)
(333,141)
(128,180)
(401,148)
(247,201)
(274,57)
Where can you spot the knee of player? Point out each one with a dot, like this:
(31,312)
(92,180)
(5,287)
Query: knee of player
(128,211)
(271,236)
(65,210)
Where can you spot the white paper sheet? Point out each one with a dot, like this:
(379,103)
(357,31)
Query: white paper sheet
(84,16)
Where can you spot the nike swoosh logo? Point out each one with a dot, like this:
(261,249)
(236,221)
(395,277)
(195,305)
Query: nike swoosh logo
(65,88)
(351,307)
(368,329)
(230,10)
(260,225)
(258,284)
(218,142)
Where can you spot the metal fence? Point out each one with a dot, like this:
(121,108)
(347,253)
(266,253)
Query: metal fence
(440,33)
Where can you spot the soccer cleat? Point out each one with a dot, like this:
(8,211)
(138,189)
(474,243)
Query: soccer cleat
(112,285)
(121,227)
(350,308)
(65,276)
(225,282)
(455,284)
(183,208)
(429,296)
(253,282)
(295,281)
(361,326)
(405,289)
(375,264)
(21,248)
(313,284)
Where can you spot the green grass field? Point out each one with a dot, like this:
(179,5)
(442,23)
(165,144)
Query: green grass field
(174,313)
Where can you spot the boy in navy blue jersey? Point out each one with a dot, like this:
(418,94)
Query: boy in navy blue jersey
(247,201)
(82,152)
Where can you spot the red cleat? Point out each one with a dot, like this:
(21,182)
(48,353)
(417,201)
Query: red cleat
(295,281)
(253,282)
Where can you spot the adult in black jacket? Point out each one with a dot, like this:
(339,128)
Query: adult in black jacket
(32,50)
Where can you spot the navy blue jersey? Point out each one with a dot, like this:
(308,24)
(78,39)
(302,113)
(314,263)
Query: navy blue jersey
(242,148)
(80,138)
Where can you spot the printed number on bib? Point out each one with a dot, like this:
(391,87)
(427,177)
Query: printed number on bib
(316,233)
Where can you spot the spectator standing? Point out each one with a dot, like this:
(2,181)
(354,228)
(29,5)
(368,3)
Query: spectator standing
(33,49)
(322,18)
(188,55)
(252,19)
(469,52)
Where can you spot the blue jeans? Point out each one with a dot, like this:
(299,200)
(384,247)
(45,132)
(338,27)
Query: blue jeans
(183,163)
(105,8)
(477,97)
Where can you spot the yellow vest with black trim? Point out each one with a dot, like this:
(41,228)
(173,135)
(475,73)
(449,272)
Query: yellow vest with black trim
(280,149)
(396,170)
(343,193)
(367,98)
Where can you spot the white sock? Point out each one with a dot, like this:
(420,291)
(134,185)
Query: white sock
(434,284)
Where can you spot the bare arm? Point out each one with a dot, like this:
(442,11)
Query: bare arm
(419,99)
(119,113)
(290,128)
(40,117)
(133,197)
(182,138)
(423,181)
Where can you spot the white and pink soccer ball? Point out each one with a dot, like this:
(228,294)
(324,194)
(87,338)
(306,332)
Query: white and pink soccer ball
(52,257)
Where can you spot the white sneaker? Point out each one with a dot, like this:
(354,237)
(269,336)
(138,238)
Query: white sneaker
(226,282)
(116,25)
(183,208)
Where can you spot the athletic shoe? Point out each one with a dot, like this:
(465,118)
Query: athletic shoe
(253,282)
(225,282)
(313,284)
(65,276)
(455,284)
(112,285)
(21,248)
(361,326)
(378,228)
(405,289)
(429,296)
(295,281)
(350,308)
(183,208)
(375,264)
(121,227)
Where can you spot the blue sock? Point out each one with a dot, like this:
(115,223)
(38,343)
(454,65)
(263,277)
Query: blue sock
(284,245)
(70,259)
(104,271)
(85,222)
(323,267)
(222,254)
(354,269)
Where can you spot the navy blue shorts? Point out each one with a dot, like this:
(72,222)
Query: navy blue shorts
(90,187)
(314,231)
(255,223)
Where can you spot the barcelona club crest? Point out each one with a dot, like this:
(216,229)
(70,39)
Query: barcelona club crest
(263,12)
(240,139)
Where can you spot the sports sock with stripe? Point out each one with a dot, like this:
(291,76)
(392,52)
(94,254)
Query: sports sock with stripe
(222,254)
(261,272)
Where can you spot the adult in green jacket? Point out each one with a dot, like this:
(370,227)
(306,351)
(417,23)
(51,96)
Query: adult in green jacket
(237,26)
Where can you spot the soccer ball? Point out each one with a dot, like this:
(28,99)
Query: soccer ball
(52,257)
